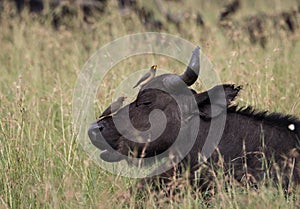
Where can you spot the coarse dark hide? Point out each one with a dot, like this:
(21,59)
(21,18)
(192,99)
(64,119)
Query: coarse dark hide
(264,142)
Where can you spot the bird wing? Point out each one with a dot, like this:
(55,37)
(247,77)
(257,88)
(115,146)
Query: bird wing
(142,79)
(106,112)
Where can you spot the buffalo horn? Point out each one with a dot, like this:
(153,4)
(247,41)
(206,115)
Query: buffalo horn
(192,71)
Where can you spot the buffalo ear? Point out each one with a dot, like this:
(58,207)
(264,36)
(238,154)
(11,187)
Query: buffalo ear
(215,101)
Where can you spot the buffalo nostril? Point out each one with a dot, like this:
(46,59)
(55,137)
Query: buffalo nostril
(101,127)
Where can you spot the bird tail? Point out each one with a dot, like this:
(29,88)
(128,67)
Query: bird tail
(135,86)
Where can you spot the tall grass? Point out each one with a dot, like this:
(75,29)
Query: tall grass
(42,164)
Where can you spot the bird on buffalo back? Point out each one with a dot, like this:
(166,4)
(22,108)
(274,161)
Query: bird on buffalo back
(114,107)
(147,77)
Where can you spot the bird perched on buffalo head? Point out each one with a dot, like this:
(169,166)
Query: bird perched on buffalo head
(147,77)
(114,107)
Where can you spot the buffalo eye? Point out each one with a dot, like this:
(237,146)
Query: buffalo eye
(146,103)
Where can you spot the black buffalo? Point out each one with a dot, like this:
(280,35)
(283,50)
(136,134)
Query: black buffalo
(251,143)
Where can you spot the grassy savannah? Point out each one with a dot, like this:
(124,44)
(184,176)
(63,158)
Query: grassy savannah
(42,163)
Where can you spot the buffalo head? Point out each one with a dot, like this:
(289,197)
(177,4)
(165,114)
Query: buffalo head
(164,111)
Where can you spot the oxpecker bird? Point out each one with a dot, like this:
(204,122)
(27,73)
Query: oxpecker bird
(147,77)
(114,107)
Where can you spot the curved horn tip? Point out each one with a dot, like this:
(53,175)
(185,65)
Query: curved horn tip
(194,63)
(196,52)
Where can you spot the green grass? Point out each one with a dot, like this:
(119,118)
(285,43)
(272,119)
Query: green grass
(43,166)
